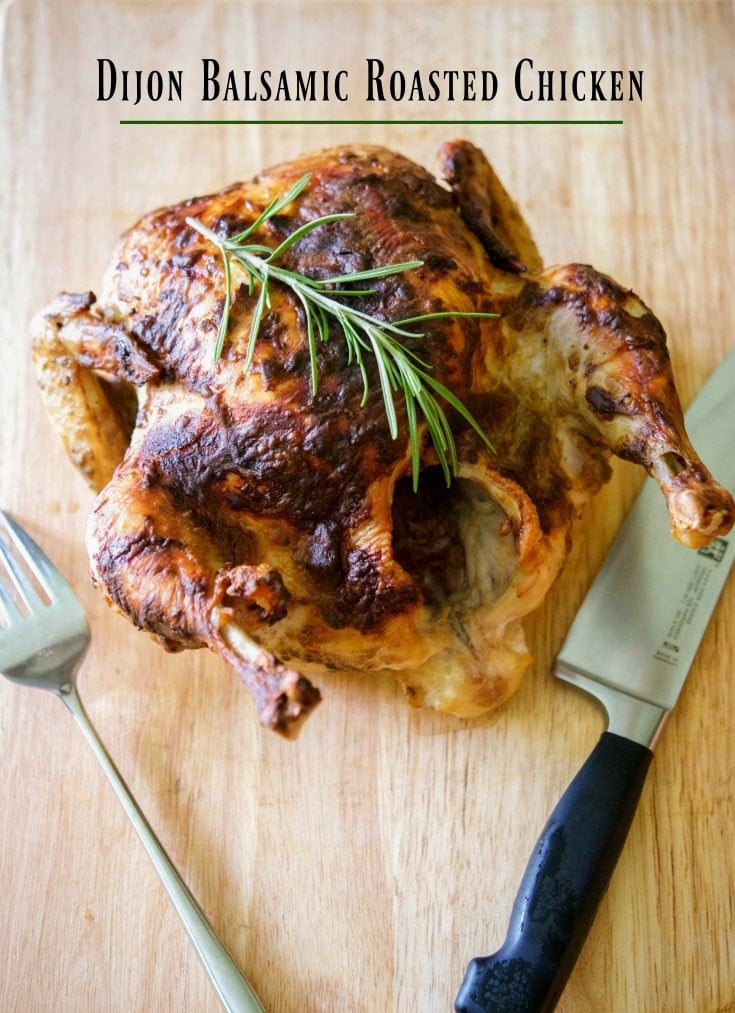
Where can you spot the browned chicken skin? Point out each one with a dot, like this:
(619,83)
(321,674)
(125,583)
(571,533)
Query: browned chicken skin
(238,511)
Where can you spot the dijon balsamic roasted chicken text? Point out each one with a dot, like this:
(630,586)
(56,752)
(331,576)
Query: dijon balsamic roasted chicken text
(239,511)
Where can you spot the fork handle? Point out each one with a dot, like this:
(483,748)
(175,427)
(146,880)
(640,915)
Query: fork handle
(233,989)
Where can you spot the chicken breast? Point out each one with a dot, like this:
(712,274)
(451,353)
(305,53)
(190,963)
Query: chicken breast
(240,510)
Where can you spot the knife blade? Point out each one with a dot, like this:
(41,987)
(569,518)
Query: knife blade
(630,646)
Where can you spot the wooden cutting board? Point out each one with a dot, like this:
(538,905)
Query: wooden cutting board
(361,867)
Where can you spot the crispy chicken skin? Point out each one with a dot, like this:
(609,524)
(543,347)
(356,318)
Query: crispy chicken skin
(280,529)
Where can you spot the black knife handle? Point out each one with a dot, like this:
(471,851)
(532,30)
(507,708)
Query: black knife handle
(562,886)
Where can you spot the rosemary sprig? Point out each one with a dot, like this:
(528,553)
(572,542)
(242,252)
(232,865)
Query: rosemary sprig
(399,368)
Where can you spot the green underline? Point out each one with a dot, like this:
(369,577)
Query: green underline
(369,123)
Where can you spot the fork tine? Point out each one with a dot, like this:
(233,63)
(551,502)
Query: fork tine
(50,579)
(10,609)
(26,594)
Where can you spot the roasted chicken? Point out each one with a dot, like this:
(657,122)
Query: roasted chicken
(241,511)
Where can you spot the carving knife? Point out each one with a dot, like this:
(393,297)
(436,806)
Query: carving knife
(630,646)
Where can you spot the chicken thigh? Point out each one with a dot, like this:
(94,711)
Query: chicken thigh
(278,526)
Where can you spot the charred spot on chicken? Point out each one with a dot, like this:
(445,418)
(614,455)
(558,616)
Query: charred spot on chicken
(277,524)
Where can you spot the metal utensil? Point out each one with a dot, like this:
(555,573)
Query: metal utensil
(43,640)
(630,646)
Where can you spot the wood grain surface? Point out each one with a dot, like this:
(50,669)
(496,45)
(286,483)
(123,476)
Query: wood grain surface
(360,868)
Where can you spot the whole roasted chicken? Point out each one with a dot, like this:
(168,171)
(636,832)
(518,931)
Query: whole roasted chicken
(276,521)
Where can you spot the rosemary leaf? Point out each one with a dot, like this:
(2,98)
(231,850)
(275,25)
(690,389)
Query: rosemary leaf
(413,431)
(322,322)
(375,272)
(275,207)
(384,373)
(225,318)
(311,339)
(454,401)
(255,324)
(304,230)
